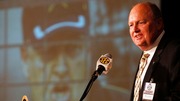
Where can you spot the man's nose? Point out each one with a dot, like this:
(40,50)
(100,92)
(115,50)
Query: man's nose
(136,28)
(61,65)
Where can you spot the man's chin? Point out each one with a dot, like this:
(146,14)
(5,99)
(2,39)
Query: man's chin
(143,48)
(63,96)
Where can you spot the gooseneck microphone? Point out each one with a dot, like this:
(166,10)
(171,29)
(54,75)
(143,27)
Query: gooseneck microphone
(24,98)
(103,65)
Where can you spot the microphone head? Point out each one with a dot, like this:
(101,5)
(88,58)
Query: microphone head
(105,61)
(24,98)
(108,55)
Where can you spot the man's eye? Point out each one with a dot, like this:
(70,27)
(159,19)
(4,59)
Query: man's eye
(141,22)
(130,25)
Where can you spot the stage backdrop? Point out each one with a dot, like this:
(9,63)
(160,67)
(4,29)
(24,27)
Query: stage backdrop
(49,49)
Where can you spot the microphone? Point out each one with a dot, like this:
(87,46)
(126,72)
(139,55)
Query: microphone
(104,64)
(24,98)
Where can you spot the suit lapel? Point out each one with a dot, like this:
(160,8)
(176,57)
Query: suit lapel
(153,64)
(151,68)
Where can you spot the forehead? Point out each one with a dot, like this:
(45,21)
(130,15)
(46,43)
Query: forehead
(140,11)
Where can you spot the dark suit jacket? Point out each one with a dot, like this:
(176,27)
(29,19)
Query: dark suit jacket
(164,69)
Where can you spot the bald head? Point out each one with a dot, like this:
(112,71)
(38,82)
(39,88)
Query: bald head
(146,8)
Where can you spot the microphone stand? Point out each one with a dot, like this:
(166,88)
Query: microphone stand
(93,78)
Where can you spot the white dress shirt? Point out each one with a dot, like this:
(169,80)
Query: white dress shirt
(151,52)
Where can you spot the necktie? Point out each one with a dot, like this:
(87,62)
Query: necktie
(138,81)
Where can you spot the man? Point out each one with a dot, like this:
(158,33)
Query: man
(54,57)
(160,79)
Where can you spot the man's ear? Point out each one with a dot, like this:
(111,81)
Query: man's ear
(27,52)
(160,24)
(23,53)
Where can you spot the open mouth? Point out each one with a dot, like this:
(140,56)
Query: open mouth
(60,92)
(138,36)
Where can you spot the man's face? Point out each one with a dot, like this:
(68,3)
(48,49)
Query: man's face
(142,26)
(61,66)
(64,69)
